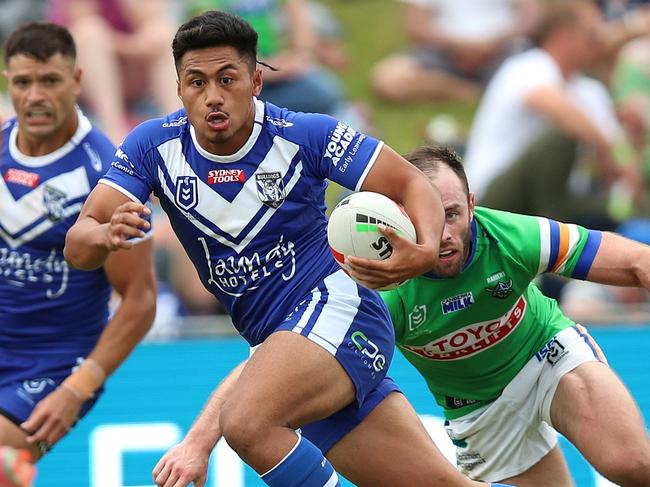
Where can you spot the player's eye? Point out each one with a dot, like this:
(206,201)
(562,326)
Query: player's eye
(197,83)
(226,80)
(51,81)
(21,83)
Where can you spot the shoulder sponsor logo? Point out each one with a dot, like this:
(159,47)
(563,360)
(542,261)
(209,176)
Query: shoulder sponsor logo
(417,317)
(339,141)
(456,303)
(187,192)
(279,122)
(24,178)
(175,123)
(553,351)
(120,155)
(472,339)
(219,176)
(270,188)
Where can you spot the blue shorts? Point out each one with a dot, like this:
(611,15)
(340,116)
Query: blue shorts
(327,432)
(353,324)
(26,377)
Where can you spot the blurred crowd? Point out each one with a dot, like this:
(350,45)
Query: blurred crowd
(562,90)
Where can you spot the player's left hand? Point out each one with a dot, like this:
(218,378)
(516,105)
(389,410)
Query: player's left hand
(181,465)
(53,417)
(407,260)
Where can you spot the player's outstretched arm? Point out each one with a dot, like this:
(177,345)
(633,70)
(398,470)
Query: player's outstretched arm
(621,262)
(188,461)
(132,276)
(107,222)
(396,178)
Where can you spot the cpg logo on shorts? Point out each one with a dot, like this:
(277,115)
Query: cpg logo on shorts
(369,352)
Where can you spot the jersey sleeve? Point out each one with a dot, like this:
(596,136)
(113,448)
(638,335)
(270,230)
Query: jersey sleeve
(395,306)
(542,245)
(566,249)
(337,151)
(130,172)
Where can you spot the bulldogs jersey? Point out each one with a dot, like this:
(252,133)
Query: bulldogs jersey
(43,302)
(469,335)
(253,222)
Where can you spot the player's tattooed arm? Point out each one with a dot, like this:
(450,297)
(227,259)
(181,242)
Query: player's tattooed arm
(188,461)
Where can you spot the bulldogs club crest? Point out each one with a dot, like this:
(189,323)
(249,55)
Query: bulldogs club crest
(270,188)
(187,194)
(54,201)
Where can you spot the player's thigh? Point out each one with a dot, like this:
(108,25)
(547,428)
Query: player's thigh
(291,381)
(550,471)
(391,447)
(12,435)
(595,411)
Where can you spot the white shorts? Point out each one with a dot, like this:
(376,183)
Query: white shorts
(510,435)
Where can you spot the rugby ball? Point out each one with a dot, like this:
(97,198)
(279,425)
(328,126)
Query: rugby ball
(352,228)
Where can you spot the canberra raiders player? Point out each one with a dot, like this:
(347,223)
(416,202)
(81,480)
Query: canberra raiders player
(506,365)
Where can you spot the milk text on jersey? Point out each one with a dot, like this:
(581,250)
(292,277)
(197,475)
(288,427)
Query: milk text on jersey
(21,269)
(473,338)
(237,274)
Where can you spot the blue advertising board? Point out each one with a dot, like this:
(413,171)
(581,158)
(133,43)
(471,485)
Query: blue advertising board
(152,400)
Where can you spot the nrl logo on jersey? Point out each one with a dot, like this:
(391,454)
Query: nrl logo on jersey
(270,188)
(417,317)
(54,201)
(187,192)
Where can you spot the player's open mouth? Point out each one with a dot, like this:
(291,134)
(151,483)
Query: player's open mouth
(38,115)
(446,254)
(217,121)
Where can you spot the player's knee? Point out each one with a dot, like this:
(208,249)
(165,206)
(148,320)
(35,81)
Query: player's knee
(387,83)
(629,470)
(241,427)
(92,29)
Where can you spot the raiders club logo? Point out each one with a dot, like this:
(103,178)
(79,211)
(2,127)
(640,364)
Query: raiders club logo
(270,188)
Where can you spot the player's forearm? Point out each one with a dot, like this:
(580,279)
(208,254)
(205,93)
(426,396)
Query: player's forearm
(85,244)
(206,430)
(127,327)
(423,205)
(621,262)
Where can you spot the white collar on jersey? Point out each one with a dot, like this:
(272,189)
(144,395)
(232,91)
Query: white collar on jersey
(257,127)
(83,128)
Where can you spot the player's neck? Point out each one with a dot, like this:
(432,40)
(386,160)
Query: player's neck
(40,146)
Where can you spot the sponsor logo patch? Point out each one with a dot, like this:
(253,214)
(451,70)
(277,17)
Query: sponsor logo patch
(456,303)
(219,176)
(24,178)
(472,339)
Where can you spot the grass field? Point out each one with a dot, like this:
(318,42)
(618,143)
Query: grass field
(373,29)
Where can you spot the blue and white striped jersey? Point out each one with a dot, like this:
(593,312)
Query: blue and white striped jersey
(43,302)
(253,222)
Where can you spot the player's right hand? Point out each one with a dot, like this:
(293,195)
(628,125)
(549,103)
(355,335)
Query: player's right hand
(126,223)
(182,464)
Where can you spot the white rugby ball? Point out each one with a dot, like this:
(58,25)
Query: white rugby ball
(352,228)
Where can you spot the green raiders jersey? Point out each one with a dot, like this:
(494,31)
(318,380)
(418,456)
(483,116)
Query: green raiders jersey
(471,334)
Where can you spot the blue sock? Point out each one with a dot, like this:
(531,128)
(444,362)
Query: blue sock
(304,466)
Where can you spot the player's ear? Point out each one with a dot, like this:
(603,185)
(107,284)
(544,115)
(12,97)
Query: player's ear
(76,76)
(257,82)
(471,206)
(178,89)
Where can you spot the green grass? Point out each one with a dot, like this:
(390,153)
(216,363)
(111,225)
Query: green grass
(373,29)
